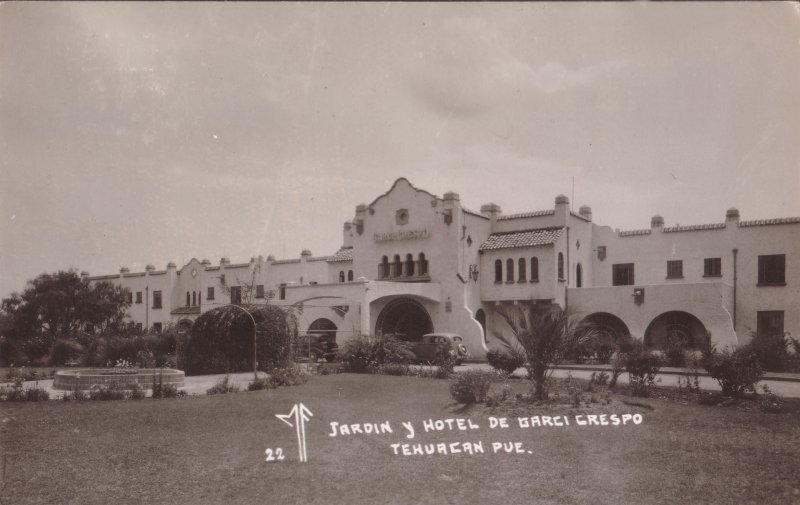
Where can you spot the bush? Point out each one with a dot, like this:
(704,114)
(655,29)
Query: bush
(77,396)
(736,372)
(601,379)
(770,402)
(395,369)
(161,390)
(642,367)
(471,386)
(771,351)
(63,351)
(36,394)
(505,361)
(145,351)
(675,351)
(222,340)
(287,376)
(135,393)
(222,387)
(365,354)
(259,384)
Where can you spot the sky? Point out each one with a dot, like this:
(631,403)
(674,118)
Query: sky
(144,133)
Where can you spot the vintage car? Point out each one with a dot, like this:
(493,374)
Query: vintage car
(314,347)
(429,345)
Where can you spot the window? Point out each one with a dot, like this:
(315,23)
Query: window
(534,269)
(398,266)
(509,270)
(138,297)
(561,266)
(156,299)
(770,323)
(341,275)
(384,269)
(157,327)
(260,291)
(409,265)
(579,275)
(187,298)
(194,298)
(423,264)
(349,276)
(210,294)
(675,269)
(522,271)
(622,274)
(130,296)
(236,295)
(712,267)
(772,270)
(498,271)
(282,292)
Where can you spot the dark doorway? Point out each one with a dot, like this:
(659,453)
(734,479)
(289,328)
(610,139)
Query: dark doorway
(404,318)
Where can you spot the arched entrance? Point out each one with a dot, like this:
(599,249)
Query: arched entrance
(480,316)
(675,325)
(324,328)
(404,318)
(606,326)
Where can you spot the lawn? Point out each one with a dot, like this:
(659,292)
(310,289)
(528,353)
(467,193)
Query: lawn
(211,450)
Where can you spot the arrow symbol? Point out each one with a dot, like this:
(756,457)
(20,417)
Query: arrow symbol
(301,416)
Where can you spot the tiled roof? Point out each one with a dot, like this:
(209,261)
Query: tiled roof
(186,310)
(694,227)
(320,258)
(342,255)
(524,238)
(537,213)
(765,222)
(633,233)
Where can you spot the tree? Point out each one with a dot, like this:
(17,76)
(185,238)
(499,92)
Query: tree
(545,337)
(61,305)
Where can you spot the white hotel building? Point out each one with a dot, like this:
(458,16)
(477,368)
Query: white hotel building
(412,263)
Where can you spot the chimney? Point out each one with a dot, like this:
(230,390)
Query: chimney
(451,203)
(732,215)
(492,211)
(562,210)
(656,221)
(585,211)
(347,235)
(361,215)
(224,261)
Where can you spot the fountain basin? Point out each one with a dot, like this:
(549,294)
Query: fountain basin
(125,378)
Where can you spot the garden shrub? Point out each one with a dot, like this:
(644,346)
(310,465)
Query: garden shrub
(505,361)
(18,393)
(136,393)
(144,351)
(223,386)
(287,376)
(770,349)
(445,362)
(601,378)
(106,393)
(395,369)
(365,354)
(642,367)
(63,351)
(675,351)
(471,386)
(161,390)
(222,340)
(736,371)
(769,402)
(259,384)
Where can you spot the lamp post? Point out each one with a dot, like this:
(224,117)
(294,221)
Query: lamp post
(473,272)
(255,338)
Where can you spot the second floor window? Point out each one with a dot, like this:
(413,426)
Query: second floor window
(210,294)
(509,270)
(772,270)
(341,275)
(561,266)
(349,275)
(522,275)
(498,271)
(260,291)
(675,269)
(282,292)
(156,299)
(622,274)
(138,297)
(236,295)
(712,267)
(130,296)
(534,269)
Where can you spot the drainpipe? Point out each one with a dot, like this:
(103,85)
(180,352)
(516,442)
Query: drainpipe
(146,307)
(735,278)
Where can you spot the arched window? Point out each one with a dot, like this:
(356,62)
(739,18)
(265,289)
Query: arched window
(350,275)
(534,269)
(409,265)
(521,274)
(398,266)
(423,264)
(498,271)
(188,300)
(561,266)
(579,275)
(194,298)
(341,275)
(510,270)
(384,267)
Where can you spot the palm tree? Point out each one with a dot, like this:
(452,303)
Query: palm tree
(545,336)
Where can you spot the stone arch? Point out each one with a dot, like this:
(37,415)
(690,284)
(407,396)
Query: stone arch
(480,316)
(676,324)
(405,318)
(324,328)
(607,325)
